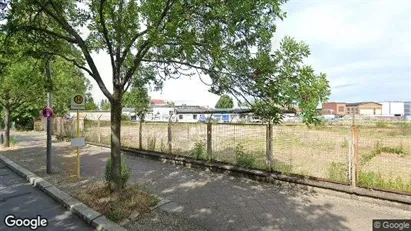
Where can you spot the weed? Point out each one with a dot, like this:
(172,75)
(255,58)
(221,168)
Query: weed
(381,124)
(344,143)
(151,143)
(337,172)
(242,158)
(125,172)
(378,149)
(13,141)
(283,168)
(162,146)
(199,150)
(375,180)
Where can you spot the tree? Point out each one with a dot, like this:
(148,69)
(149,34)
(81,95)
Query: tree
(90,105)
(225,101)
(138,99)
(23,74)
(170,37)
(105,106)
(291,84)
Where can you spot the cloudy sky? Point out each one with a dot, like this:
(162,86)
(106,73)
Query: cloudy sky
(363,46)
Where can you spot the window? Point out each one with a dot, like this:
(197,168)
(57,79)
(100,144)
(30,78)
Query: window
(340,108)
(180,117)
(194,117)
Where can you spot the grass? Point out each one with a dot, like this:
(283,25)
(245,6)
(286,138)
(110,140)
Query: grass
(117,207)
(13,141)
(337,172)
(378,149)
(375,180)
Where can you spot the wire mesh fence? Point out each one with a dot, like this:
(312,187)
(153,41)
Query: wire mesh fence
(383,149)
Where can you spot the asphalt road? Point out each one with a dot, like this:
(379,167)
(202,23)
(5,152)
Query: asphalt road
(19,198)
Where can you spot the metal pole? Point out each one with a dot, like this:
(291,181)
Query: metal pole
(78,148)
(49,124)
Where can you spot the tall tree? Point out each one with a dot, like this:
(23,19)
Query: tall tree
(225,101)
(172,37)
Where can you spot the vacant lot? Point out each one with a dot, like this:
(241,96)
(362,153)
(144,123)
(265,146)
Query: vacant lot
(384,151)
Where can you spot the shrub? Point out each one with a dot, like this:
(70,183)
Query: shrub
(199,151)
(337,172)
(125,118)
(125,172)
(243,159)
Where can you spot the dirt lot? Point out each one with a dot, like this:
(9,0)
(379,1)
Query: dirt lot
(297,149)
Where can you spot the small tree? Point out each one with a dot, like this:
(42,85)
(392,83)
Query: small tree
(138,99)
(225,101)
(90,105)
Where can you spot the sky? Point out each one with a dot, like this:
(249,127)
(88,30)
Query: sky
(363,46)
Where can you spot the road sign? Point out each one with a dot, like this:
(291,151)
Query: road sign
(47,112)
(78,102)
(78,142)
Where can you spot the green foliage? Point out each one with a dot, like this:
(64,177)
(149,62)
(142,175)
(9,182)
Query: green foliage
(283,167)
(125,118)
(106,106)
(375,180)
(13,141)
(225,101)
(337,172)
(243,159)
(378,149)
(125,172)
(199,151)
(151,143)
(138,99)
(90,105)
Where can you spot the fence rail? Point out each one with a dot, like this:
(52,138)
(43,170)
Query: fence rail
(366,155)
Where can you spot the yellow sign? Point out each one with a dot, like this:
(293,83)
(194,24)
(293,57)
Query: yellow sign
(78,102)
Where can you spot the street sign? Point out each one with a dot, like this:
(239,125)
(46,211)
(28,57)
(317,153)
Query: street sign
(47,112)
(78,102)
(78,142)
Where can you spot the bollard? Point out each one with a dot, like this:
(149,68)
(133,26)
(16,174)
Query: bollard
(1,138)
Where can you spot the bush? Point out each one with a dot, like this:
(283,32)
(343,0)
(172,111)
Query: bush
(125,172)
(125,118)
(243,159)
(199,151)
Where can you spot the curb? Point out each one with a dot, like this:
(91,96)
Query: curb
(91,217)
(392,199)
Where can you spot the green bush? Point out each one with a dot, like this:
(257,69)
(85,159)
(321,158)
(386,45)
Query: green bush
(125,171)
(337,172)
(199,151)
(125,118)
(243,159)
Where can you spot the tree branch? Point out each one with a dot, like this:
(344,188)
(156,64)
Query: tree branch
(105,35)
(52,33)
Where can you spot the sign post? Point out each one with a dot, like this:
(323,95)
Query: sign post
(48,114)
(78,103)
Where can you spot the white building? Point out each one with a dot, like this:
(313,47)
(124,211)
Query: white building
(396,108)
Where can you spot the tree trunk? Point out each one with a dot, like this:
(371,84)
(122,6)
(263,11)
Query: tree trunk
(116,110)
(7,121)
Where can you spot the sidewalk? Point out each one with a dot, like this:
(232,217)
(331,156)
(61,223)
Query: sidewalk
(219,202)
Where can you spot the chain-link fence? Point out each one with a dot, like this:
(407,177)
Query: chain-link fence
(375,155)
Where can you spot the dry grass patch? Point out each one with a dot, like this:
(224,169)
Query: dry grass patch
(117,207)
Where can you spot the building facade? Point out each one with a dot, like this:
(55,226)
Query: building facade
(364,108)
(334,108)
(396,108)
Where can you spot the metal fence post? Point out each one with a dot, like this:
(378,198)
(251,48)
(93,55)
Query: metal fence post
(169,137)
(209,142)
(269,146)
(98,130)
(354,158)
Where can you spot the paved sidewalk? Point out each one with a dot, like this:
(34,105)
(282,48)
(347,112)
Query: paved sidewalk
(21,199)
(215,201)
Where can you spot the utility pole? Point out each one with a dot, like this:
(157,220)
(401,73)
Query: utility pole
(49,89)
